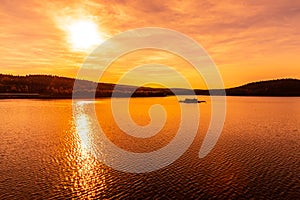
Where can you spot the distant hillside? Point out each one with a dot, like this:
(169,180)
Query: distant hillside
(281,87)
(46,86)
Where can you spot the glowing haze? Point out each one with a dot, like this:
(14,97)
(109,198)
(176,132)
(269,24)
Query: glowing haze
(248,40)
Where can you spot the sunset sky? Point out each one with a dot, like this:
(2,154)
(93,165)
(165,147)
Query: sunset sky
(248,40)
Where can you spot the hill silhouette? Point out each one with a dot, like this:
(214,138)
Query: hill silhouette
(281,87)
(47,86)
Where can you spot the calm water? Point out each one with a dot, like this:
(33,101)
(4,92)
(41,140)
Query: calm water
(44,154)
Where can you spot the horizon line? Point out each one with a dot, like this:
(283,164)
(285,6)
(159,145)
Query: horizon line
(53,75)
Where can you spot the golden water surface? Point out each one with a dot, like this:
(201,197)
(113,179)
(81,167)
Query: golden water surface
(45,151)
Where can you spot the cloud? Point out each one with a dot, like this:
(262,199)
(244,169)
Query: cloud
(239,35)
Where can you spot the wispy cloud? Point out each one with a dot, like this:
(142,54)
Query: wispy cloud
(248,40)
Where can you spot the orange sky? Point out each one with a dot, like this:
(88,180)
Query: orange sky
(248,40)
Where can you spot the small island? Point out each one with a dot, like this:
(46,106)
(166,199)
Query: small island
(194,100)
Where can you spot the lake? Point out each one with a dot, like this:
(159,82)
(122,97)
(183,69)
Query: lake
(45,151)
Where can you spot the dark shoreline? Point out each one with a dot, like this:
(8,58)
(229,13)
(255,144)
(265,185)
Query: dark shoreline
(54,87)
(88,98)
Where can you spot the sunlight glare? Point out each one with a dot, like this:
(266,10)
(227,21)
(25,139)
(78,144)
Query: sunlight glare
(84,35)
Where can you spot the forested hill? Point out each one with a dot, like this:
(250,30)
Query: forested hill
(46,86)
(281,87)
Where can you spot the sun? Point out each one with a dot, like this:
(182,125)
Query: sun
(84,35)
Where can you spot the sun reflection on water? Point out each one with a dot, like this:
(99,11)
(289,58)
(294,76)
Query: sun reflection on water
(83,129)
(89,174)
